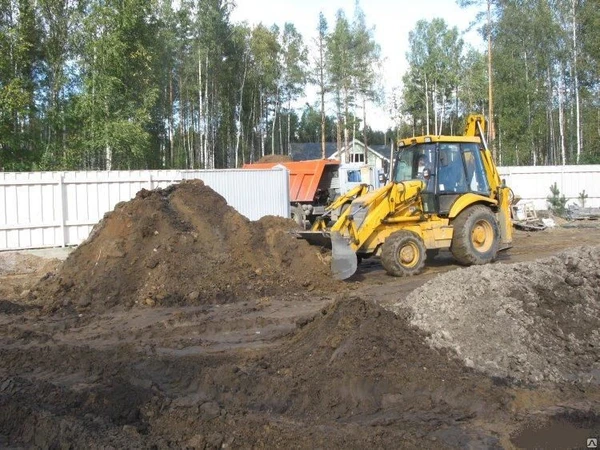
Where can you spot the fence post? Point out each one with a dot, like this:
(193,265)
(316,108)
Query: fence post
(562,180)
(61,203)
(150,181)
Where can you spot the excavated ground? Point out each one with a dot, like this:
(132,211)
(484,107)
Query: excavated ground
(530,321)
(182,246)
(179,324)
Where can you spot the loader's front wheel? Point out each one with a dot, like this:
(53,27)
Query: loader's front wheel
(476,237)
(403,254)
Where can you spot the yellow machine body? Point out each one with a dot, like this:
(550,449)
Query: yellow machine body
(419,212)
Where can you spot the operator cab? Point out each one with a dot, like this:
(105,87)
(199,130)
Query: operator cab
(449,167)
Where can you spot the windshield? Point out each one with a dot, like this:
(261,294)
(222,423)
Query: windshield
(412,161)
(457,167)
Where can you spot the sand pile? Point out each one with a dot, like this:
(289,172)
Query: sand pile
(532,321)
(183,245)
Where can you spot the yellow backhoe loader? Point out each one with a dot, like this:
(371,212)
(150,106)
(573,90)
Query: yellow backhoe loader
(445,193)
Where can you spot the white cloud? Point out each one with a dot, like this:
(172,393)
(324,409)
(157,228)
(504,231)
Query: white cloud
(392,20)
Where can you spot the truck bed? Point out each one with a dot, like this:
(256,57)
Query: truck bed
(305,176)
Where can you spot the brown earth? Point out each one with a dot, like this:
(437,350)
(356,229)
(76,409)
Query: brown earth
(21,272)
(316,366)
(182,246)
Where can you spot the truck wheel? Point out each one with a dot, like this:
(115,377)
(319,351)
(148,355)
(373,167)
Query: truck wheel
(475,239)
(298,216)
(403,254)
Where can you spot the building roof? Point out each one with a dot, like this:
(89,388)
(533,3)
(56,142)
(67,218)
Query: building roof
(381,151)
(311,150)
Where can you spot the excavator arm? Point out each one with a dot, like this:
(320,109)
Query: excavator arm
(338,205)
(501,193)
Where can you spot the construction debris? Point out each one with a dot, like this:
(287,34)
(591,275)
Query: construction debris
(524,217)
(574,212)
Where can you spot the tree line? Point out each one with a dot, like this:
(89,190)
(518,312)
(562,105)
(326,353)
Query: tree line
(545,80)
(137,84)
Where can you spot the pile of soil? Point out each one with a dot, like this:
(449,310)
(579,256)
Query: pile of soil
(358,360)
(20,272)
(353,365)
(183,245)
(275,159)
(531,321)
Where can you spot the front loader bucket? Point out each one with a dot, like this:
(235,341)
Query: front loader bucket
(343,259)
(320,238)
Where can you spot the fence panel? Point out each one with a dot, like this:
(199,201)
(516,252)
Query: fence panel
(532,183)
(51,209)
(256,192)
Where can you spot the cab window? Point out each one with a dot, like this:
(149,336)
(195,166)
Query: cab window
(451,170)
(476,179)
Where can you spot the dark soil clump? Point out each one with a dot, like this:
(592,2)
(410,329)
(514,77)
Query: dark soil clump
(182,246)
(357,360)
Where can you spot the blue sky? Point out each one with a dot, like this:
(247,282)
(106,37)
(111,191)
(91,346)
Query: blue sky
(392,20)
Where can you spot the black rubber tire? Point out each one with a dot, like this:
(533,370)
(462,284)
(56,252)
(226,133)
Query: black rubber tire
(476,236)
(298,216)
(403,254)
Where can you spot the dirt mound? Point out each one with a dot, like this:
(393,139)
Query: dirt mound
(352,365)
(20,272)
(275,159)
(358,361)
(534,321)
(354,376)
(183,245)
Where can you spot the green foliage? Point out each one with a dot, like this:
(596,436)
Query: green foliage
(309,129)
(126,84)
(435,59)
(556,202)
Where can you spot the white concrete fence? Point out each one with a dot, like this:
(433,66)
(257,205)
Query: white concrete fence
(53,209)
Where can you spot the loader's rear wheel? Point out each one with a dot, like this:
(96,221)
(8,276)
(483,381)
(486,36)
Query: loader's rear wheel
(476,236)
(403,254)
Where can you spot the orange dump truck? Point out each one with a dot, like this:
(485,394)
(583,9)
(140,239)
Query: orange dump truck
(313,185)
